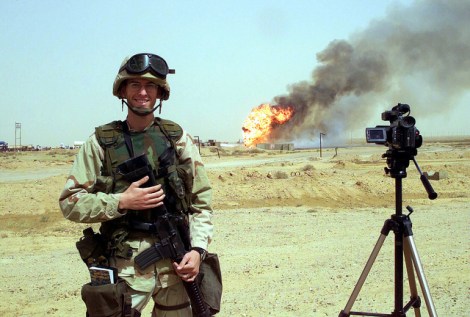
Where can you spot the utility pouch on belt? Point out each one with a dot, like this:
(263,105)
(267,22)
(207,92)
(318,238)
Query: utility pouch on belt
(92,248)
(109,300)
(210,282)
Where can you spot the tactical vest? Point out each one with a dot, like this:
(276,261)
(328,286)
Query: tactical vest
(157,142)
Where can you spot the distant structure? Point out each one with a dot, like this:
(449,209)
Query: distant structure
(276,146)
(213,143)
(3,146)
(17,135)
(78,144)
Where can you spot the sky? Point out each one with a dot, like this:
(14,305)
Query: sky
(59,60)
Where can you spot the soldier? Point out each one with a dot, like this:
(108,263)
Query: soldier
(95,191)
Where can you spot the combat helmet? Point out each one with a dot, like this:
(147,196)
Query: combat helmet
(148,66)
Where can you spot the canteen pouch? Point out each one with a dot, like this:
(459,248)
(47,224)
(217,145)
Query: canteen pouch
(108,300)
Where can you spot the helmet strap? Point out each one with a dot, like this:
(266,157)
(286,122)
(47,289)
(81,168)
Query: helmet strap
(142,112)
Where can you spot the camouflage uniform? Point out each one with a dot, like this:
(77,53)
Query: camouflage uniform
(83,200)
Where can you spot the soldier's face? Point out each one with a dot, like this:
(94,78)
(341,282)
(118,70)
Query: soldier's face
(141,93)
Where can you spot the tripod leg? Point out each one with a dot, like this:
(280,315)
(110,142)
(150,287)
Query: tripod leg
(364,274)
(420,273)
(411,280)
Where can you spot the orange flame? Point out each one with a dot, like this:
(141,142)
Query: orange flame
(261,120)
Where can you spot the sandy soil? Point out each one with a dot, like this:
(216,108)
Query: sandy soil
(293,231)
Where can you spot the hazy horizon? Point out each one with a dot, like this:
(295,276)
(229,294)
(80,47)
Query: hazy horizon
(59,61)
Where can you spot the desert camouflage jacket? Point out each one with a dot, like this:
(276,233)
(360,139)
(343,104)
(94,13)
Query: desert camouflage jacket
(82,201)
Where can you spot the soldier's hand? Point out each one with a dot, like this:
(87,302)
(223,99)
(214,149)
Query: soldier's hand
(137,198)
(188,268)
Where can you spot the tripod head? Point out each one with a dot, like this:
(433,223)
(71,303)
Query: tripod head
(397,162)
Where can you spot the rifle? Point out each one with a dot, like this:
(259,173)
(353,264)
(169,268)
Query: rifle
(170,228)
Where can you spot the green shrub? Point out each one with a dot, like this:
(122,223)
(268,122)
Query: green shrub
(280,175)
(308,167)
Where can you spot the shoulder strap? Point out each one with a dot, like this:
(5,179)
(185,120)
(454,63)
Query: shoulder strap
(108,134)
(170,129)
(127,138)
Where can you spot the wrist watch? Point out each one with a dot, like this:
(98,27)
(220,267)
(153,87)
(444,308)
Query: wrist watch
(201,251)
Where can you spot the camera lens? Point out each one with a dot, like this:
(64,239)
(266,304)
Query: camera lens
(408,122)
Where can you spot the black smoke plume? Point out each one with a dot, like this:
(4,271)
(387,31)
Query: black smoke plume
(417,54)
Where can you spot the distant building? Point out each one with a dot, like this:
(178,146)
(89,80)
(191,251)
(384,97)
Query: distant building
(213,143)
(276,146)
(78,144)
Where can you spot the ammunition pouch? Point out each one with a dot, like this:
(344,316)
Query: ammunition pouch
(108,300)
(118,246)
(210,282)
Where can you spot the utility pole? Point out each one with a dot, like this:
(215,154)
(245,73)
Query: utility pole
(320,141)
(198,143)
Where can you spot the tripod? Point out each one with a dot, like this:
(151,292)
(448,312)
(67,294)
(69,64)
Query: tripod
(405,247)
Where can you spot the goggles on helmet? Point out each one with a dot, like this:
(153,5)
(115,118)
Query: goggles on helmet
(144,62)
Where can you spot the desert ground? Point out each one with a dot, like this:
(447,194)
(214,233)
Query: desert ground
(293,230)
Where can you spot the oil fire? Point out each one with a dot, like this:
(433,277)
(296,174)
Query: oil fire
(261,120)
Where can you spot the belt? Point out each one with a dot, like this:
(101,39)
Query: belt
(143,226)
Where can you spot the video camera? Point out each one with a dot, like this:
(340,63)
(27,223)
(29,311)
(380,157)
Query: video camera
(401,134)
